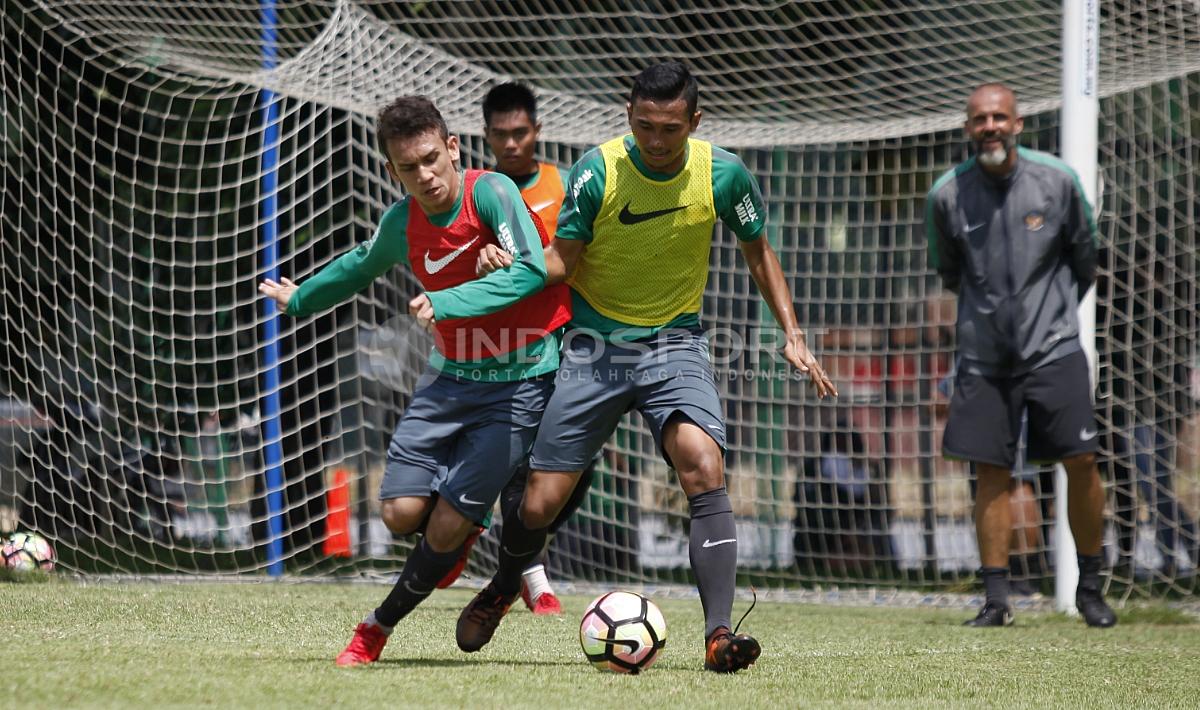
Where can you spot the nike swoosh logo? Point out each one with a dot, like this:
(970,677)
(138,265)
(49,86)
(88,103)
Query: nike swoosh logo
(435,265)
(632,644)
(1085,435)
(973,227)
(710,543)
(467,501)
(413,590)
(627,217)
(541,205)
(714,426)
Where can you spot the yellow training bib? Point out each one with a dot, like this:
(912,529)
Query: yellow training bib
(648,259)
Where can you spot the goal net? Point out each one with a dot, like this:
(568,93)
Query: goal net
(161,158)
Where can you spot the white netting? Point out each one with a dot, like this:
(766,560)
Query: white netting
(133,344)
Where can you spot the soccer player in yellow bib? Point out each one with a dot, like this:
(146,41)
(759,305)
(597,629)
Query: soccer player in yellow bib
(634,237)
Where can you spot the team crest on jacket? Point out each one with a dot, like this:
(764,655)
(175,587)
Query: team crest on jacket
(1034,221)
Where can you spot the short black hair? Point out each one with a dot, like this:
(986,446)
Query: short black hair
(665,82)
(511,96)
(406,117)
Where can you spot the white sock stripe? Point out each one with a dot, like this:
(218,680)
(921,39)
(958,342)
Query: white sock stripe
(536,580)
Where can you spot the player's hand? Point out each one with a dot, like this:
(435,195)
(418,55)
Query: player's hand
(280,291)
(796,352)
(422,309)
(491,258)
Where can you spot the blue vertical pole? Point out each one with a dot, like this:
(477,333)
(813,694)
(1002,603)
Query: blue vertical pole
(273,452)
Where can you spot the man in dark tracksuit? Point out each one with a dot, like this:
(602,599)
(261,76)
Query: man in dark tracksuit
(1010,231)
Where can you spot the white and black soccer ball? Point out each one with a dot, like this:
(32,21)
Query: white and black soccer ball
(26,552)
(622,632)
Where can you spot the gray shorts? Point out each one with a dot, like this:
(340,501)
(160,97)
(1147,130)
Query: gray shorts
(662,377)
(984,424)
(464,440)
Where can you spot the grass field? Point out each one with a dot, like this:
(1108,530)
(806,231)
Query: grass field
(272,645)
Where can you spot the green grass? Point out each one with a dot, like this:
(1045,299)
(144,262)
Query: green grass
(272,645)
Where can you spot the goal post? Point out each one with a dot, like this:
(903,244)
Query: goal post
(1080,150)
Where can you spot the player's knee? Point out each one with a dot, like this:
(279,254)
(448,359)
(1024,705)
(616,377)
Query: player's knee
(545,495)
(1080,462)
(702,471)
(404,516)
(447,530)
(537,513)
(541,507)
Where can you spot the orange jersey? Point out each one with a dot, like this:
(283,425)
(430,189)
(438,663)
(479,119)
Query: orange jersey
(545,196)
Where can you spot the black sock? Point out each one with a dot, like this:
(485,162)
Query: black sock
(995,585)
(519,546)
(423,569)
(712,549)
(512,493)
(1089,572)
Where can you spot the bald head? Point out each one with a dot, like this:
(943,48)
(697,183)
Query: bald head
(992,126)
(993,93)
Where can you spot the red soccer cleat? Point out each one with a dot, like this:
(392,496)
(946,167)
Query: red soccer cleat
(545,605)
(456,571)
(365,647)
(729,653)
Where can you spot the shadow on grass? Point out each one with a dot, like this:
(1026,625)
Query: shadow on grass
(1156,616)
(400,663)
(23,577)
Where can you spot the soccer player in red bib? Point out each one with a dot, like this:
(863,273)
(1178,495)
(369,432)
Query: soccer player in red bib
(476,410)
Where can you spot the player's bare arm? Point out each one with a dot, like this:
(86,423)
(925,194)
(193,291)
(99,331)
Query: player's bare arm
(279,291)
(767,273)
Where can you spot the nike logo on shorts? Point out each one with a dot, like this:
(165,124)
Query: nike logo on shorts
(627,217)
(541,205)
(710,543)
(1087,435)
(467,501)
(973,227)
(435,265)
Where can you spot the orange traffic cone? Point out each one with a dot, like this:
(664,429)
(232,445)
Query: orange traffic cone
(337,516)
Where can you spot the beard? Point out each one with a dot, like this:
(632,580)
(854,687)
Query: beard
(996,157)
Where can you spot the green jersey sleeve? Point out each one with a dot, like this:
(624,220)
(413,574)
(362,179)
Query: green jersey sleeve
(584,193)
(356,269)
(736,196)
(499,205)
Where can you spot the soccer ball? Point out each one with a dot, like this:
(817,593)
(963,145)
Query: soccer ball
(25,552)
(622,632)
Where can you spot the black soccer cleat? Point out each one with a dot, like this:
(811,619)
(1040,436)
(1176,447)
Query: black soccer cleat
(991,615)
(728,653)
(478,621)
(1093,609)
